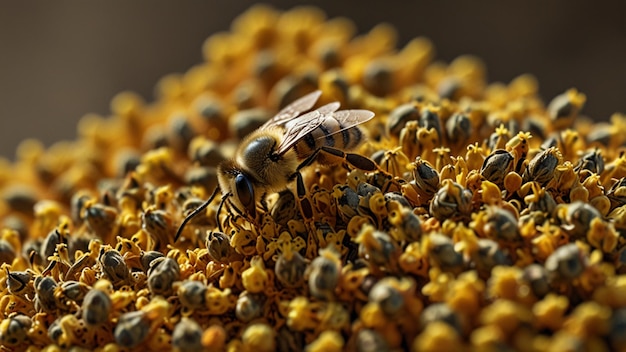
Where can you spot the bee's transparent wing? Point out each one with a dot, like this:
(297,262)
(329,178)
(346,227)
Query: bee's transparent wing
(299,127)
(351,118)
(293,110)
(328,108)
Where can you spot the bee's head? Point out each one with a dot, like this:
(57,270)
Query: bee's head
(238,186)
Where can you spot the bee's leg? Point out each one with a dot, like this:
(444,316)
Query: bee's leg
(264,205)
(356,160)
(235,215)
(306,208)
(243,214)
(306,162)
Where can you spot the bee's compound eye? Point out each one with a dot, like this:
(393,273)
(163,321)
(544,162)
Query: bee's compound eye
(245,192)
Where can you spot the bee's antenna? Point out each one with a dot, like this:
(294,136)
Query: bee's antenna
(219,210)
(194,213)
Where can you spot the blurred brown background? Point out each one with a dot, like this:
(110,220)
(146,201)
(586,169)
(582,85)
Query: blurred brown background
(62,59)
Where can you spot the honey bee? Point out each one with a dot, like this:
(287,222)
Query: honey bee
(271,157)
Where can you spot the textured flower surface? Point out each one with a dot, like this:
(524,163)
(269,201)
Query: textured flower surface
(473,216)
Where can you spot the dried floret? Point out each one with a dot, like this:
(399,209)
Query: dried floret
(187,336)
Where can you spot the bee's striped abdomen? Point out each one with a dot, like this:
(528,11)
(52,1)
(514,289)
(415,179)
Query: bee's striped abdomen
(331,133)
(351,137)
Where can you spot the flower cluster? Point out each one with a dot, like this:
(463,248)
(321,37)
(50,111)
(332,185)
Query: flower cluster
(491,221)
